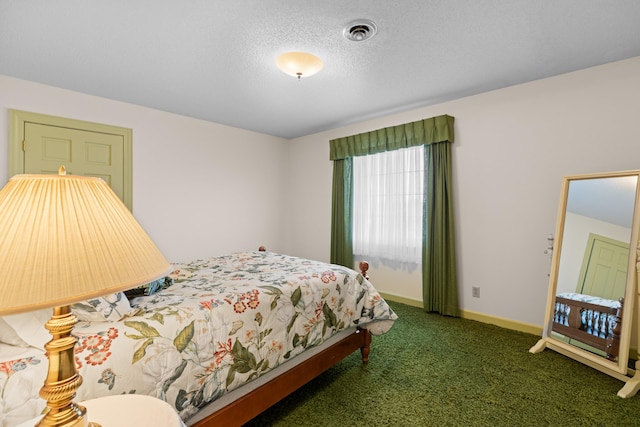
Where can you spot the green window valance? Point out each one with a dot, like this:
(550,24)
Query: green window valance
(426,131)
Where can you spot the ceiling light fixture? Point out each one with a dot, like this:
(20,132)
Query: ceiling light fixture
(360,30)
(299,64)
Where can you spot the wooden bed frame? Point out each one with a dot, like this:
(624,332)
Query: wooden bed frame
(609,344)
(263,397)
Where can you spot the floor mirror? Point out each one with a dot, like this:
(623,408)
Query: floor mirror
(592,284)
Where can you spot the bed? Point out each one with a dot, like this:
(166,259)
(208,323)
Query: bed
(591,320)
(220,339)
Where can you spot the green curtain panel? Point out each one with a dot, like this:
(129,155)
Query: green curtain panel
(439,277)
(341,213)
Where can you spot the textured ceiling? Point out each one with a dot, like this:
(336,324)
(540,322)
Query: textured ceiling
(214,60)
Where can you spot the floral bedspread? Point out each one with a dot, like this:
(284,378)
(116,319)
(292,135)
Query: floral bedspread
(224,321)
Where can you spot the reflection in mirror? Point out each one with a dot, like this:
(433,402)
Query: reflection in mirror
(593,263)
(592,282)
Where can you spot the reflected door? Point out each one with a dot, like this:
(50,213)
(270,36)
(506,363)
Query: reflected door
(604,272)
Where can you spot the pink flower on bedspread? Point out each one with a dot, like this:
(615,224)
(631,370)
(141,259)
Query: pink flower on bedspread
(97,357)
(239,307)
(112,334)
(252,296)
(97,345)
(310,325)
(206,304)
(212,303)
(318,310)
(204,376)
(13,366)
(224,349)
(276,347)
(250,335)
(328,276)
(246,299)
(92,342)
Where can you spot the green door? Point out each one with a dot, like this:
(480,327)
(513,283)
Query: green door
(81,152)
(89,149)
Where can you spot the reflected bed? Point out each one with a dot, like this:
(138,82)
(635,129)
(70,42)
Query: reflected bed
(591,320)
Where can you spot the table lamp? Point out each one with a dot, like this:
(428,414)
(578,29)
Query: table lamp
(64,239)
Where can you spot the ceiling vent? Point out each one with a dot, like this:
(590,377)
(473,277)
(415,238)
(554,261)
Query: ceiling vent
(360,30)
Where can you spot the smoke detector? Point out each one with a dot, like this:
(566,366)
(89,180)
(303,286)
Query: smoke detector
(360,30)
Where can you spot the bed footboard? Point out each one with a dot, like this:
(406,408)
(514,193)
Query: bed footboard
(595,325)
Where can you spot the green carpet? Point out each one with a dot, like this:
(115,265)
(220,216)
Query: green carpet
(431,370)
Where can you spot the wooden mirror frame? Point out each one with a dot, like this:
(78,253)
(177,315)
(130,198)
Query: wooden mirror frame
(616,368)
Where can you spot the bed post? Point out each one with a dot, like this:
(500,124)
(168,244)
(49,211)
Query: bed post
(364,266)
(366,345)
(613,340)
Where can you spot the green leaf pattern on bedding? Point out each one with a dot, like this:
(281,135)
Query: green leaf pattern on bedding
(226,321)
(303,301)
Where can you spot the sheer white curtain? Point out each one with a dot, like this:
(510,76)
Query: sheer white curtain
(387,205)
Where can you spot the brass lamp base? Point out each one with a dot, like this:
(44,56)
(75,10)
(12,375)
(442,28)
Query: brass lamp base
(63,379)
(76,416)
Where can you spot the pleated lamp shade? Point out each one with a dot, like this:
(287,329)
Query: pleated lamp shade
(67,238)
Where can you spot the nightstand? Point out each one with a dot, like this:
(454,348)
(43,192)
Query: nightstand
(128,410)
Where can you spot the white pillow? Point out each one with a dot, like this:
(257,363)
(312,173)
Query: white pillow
(29,327)
(108,308)
(9,336)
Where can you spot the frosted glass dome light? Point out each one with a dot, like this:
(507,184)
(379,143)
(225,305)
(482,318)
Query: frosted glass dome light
(299,64)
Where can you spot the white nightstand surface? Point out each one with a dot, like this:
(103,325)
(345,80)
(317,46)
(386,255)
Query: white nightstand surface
(128,410)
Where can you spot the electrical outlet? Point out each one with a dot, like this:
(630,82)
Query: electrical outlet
(475,291)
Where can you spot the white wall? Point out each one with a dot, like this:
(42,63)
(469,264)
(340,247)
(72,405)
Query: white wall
(203,189)
(512,148)
(199,188)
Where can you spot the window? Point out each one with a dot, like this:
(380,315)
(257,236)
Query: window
(387,205)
